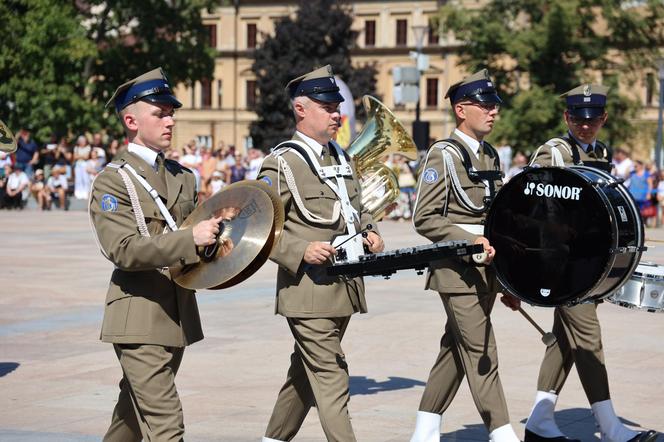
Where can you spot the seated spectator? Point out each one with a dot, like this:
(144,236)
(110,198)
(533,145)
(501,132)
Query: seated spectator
(57,187)
(17,184)
(39,191)
(4,175)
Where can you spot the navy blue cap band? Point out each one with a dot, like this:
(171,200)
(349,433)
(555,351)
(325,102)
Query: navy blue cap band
(482,90)
(141,90)
(313,87)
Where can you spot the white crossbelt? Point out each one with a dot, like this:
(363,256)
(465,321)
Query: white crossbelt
(475,229)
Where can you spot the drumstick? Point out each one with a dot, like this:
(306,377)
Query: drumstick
(548,338)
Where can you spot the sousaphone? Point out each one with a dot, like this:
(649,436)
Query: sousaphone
(252,222)
(7,140)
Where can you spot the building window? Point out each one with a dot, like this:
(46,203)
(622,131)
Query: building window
(432,92)
(433,32)
(212,35)
(252,32)
(206,94)
(251,94)
(193,95)
(650,88)
(370,33)
(402,32)
(220,94)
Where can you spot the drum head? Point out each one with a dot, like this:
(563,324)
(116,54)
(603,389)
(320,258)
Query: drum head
(552,234)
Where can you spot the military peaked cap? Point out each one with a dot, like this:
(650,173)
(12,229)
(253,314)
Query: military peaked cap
(586,101)
(477,87)
(318,84)
(152,87)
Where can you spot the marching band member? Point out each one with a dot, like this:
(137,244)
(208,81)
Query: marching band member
(577,329)
(321,195)
(458,180)
(135,205)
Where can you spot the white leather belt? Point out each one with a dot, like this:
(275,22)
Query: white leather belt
(475,229)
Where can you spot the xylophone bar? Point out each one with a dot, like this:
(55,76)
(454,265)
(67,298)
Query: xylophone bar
(389,262)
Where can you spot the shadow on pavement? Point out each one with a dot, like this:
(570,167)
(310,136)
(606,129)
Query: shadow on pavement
(8,367)
(365,385)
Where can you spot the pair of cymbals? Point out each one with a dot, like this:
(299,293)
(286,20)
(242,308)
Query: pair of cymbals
(7,140)
(252,222)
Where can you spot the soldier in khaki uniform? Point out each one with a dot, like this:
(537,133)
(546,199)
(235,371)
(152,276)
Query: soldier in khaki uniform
(135,205)
(321,195)
(577,329)
(458,179)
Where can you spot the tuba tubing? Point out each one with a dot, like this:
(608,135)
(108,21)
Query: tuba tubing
(381,135)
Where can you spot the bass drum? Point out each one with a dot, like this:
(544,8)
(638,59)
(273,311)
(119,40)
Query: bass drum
(564,235)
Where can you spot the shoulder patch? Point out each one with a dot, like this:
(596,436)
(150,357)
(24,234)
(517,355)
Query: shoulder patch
(267,180)
(109,203)
(430,175)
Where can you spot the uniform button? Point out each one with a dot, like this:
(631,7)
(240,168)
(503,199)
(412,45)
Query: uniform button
(322,193)
(182,261)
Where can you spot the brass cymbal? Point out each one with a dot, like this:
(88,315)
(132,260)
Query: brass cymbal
(270,242)
(7,140)
(247,227)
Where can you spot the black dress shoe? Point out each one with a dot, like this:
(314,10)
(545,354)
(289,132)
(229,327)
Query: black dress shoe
(534,437)
(644,436)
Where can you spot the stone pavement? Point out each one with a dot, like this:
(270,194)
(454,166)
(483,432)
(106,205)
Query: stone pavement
(58,382)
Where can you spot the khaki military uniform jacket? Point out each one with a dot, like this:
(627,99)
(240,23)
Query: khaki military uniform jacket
(437,210)
(305,290)
(143,304)
(544,156)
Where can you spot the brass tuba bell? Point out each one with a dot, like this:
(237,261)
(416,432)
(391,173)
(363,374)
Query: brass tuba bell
(381,135)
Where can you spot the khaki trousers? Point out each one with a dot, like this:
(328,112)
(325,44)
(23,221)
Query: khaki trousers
(148,406)
(468,348)
(579,340)
(318,376)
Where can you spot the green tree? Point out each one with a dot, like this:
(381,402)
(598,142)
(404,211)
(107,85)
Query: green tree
(320,34)
(537,49)
(43,51)
(60,61)
(134,37)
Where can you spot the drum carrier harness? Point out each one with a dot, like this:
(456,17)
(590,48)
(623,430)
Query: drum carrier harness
(573,148)
(487,177)
(334,177)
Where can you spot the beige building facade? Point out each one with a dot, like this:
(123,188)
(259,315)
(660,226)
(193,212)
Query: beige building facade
(221,109)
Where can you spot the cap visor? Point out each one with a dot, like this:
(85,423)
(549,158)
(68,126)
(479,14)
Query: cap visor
(487,98)
(163,99)
(328,97)
(587,112)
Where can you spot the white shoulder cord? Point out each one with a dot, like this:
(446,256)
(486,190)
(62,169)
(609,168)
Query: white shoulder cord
(556,156)
(456,184)
(290,181)
(155,196)
(419,186)
(135,204)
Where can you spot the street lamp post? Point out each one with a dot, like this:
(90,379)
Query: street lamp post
(658,144)
(420,129)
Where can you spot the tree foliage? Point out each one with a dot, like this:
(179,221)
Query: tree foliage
(320,34)
(538,49)
(44,49)
(60,61)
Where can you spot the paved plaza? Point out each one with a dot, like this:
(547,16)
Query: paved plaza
(58,382)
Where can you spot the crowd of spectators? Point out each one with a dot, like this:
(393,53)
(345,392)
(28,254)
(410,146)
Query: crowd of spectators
(56,171)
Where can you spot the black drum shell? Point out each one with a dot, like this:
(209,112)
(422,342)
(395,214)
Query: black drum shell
(564,235)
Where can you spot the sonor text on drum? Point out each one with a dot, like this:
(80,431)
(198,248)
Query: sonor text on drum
(552,191)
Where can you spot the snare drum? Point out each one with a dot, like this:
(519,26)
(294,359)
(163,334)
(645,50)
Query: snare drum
(564,235)
(644,290)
